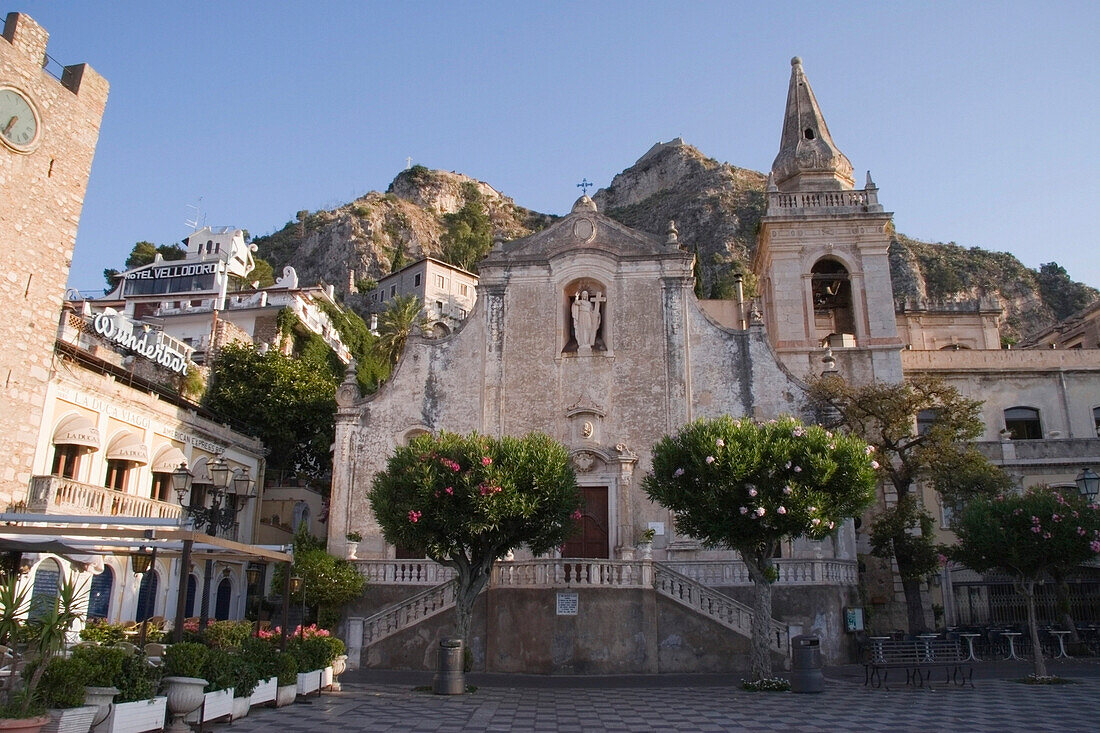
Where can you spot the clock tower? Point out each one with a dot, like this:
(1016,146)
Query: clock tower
(49,126)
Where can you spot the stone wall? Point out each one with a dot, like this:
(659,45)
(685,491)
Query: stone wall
(41,196)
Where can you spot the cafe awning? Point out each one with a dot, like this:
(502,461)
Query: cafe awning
(76,430)
(168,459)
(128,447)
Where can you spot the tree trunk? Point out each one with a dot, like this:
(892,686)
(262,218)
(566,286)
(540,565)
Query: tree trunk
(1029,593)
(471,579)
(914,601)
(760,657)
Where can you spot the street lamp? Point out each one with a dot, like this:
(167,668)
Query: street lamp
(1088,483)
(141,560)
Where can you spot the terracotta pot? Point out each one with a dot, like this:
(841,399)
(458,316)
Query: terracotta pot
(286,695)
(102,698)
(23,725)
(184,696)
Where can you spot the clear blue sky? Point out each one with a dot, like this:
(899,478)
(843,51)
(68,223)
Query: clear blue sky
(978,120)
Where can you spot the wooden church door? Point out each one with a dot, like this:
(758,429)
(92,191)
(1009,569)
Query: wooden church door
(591,537)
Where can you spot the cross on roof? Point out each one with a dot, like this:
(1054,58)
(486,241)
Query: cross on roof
(584,185)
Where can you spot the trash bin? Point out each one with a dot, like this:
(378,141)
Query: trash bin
(451,677)
(806,673)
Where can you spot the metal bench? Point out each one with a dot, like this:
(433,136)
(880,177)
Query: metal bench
(918,657)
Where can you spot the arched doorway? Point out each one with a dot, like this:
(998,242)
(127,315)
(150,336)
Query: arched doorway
(99,593)
(192,589)
(147,596)
(221,603)
(44,592)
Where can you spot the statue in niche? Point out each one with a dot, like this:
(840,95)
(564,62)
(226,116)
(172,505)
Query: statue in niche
(586,319)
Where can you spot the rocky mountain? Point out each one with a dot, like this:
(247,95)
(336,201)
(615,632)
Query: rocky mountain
(717,208)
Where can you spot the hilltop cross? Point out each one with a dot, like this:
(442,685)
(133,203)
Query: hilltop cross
(583,186)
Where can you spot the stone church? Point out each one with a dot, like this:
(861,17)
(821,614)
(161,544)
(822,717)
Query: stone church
(590,331)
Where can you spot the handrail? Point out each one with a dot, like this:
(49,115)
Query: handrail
(412,610)
(716,606)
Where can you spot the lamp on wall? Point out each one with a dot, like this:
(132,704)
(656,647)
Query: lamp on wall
(297,585)
(141,560)
(1088,483)
(253,573)
(25,565)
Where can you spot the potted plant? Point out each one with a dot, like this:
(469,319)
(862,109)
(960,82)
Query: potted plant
(353,540)
(45,637)
(104,666)
(218,696)
(645,544)
(287,679)
(138,706)
(183,668)
(245,679)
(61,690)
(264,657)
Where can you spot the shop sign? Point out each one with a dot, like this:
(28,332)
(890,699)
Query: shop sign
(156,273)
(114,326)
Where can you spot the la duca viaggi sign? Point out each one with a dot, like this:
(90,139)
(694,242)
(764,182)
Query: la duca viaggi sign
(116,327)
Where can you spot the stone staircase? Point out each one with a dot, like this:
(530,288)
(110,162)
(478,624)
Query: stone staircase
(554,573)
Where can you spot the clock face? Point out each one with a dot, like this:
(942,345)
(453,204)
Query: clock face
(18,121)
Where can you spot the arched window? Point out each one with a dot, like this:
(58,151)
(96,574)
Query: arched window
(221,603)
(1023,423)
(99,593)
(1096,420)
(301,516)
(44,593)
(192,590)
(832,293)
(147,596)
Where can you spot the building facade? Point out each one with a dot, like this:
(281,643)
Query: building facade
(447,293)
(48,137)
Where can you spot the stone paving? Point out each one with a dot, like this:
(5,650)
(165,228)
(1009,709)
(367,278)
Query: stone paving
(677,703)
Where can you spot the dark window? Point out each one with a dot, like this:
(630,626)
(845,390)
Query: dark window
(99,595)
(192,587)
(1096,420)
(393,290)
(162,487)
(221,604)
(66,461)
(1023,423)
(416,280)
(809,134)
(925,420)
(147,596)
(116,474)
(44,592)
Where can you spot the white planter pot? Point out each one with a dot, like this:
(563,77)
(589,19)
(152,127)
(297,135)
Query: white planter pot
(240,707)
(352,548)
(71,720)
(135,717)
(326,678)
(184,695)
(101,698)
(286,695)
(216,705)
(339,665)
(309,682)
(264,692)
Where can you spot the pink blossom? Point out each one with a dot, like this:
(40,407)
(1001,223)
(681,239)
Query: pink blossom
(787,489)
(1034,520)
(1095,545)
(450,490)
(1017,512)
(813,509)
(720,443)
(868,450)
(828,433)
(874,465)
(941,558)
(414,516)
(678,473)
(832,525)
(798,469)
(815,521)
(744,510)
(752,491)
(788,465)
(486,461)
(1046,535)
(448,463)
(832,446)
(1036,529)
(710,459)
(437,494)
(761,511)
(782,510)
(1056,517)
(799,432)
(577,514)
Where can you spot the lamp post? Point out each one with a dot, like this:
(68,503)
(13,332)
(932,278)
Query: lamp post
(298,585)
(142,562)
(231,493)
(1088,483)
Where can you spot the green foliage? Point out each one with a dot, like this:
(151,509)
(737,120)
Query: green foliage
(21,705)
(226,634)
(366,284)
(697,273)
(185,659)
(286,668)
(288,403)
(102,632)
(263,655)
(104,664)
(469,235)
(396,323)
(1029,535)
(246,675)
(906,530)
(13,605)
(63,681)
(1060,293)
(372,366)
(398,260)
(219,670)
(144,253)
(262,274)
(327,581)
(313,652)
(739,484)
(965,474)
(419,174)
(132,674)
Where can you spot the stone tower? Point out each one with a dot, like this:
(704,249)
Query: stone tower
(48,133)
(822,253)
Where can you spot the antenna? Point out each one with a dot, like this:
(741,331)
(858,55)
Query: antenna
(200,218)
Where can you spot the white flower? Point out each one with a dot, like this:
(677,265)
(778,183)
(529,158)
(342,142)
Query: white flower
(782,510)
(744,510)
(788,465)
(799,432)
(832,525)
(787,489)
(720,443)
(874,464)
(678,473)
(868,450)
(752,491)
(798,469)
(710,459)
(815,521)
(813,509)
(760,511)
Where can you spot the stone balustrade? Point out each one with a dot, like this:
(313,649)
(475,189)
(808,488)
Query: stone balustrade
(404,572)
(408,612)
(572,573)
(999,359)
(56,495)
(792,571)
(784,204)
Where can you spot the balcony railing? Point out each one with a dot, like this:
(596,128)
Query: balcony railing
(56,495)
(838,202)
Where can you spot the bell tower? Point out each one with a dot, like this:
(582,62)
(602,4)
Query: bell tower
(822,256)
(49,126)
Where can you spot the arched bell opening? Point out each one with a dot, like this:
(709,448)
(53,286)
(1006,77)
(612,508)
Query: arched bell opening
(832,296)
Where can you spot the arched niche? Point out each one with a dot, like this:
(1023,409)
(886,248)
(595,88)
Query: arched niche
(832,297)
(585,311)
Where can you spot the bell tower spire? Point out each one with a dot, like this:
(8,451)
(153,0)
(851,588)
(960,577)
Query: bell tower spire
(808,159)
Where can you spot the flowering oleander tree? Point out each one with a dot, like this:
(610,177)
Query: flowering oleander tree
(466,500)
(747,485)
(1030,536)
